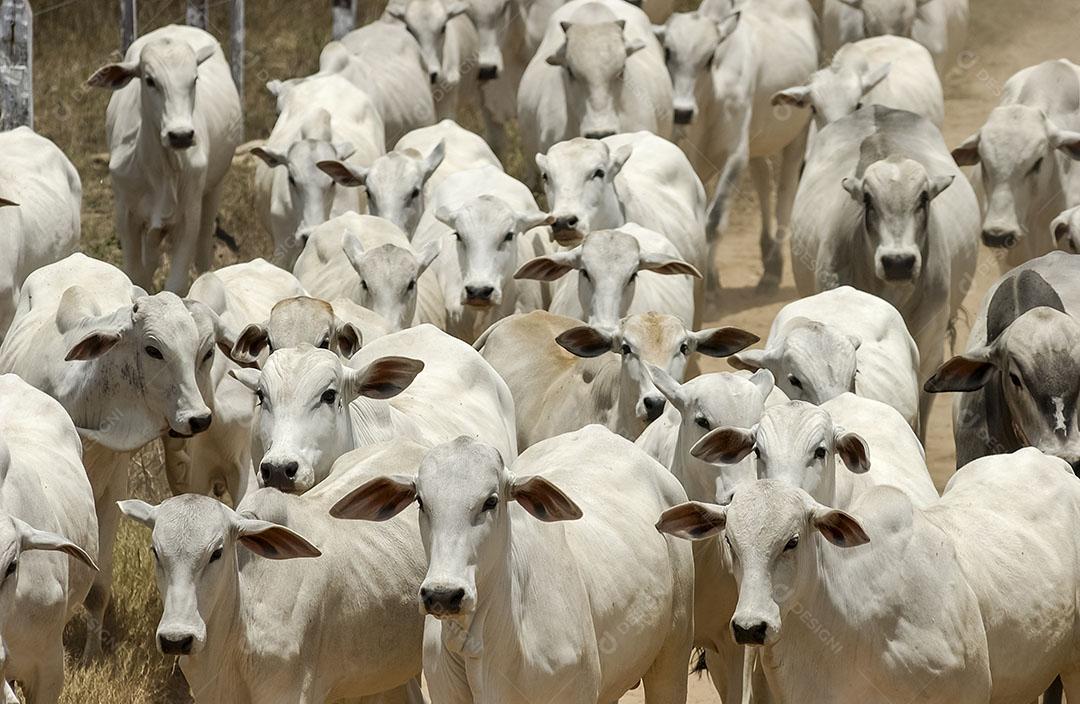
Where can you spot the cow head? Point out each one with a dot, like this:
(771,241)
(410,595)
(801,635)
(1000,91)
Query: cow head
(579,183)
(833,92)
(294,322)
(427,21)
(167,71)
(195,541)
(881,17)
(389,277)
(692,42)
(492,19)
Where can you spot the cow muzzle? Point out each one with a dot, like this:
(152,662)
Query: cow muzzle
(488,73)
(898,267)
(750,633)
(279,475)
(683,116)
(180,139)
(566,230)
(1000,239)
(443,600)
(480,296)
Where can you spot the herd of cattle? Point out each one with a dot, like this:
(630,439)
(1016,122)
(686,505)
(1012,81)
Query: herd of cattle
(472,415)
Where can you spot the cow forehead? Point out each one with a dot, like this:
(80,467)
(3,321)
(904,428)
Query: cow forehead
(691,35)
(388,262)
(485,215)
(765,512)
(166,317)
(400,168)
(889,12)
(814,341)
(168,58)
(307,152)
(577,155)
(796,423)
(189,523)
(609,250)
(425,13)
(460,469)
(1046,342)
(298,372)
(1011,134)
(652,332)
(296,314)
(595,49)
(727,398)
(895,181)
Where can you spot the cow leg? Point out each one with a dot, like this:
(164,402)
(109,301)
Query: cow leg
(129,230)
(791,161)
(108,475)
(771,259)
(405,694)
(184,244)
(204,256)
(48,679)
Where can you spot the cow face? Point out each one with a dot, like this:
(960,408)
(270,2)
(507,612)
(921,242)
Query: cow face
(194,542)
(303,423)
(427,22)
(1016,151)
(593,59)
(833,92)
(579,183)
(294,322)
(607,262)
(881,17)
(311,191)
(463,491)
(768,527)
(795,442)
(1066,230)
(811,361)
(389,277)
(491,18)
(167,71)
(896,195)
(394,183)
(485,234)
(691,41)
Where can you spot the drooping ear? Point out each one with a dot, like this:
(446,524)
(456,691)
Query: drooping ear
(354,249)
(541,161)
(248,377)
(852,450)
(1060,227)
(939,184)
(967,154)
(426,256)
(723,342)
(114,76)
(964,372)
(275,87)
(4,203)
(663,264)
(384,378)
(871,77)
(726,26)
(550,267)
(344,150)
(271,157)
(251,342)
(139,511)
(544,500)
(839,528)
(725,445)
(396,11)
(273,541)
(1066,141)
(558,57)
(204,52)
(224,338)
(456,9)
(378,499)
(659,31)
(764,381)
(585,341)
(96,334)
(434,158)
(342,173)
(855,341)
(798,96)
(32,539)
(667,384)
(528,219)
(445,214)
(347,339)
(749,360)
(693,520)
(854,187)
(633,46)
(617,160)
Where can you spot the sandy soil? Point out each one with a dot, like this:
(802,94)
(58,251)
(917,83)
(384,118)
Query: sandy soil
(1005,36)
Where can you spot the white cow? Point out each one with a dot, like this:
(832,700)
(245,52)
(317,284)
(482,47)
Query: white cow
(616,273)
(173,124)
(1025,153)
(399,183)
(892,71)
(941,594)
(641,178)
(599,71)
(371,262)
(231,607)
(319,119)
(40,199)
(547,362)
(46,505)
(883,207)
(839,340)
(939,25)
(509,627)
(485,224)
(312,407)
(725,65)
(127,367)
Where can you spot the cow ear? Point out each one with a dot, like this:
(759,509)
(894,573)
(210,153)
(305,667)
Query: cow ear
(558,57)
(659,31)
(550,267)
(92,345)
(457,9)
(693,520)
(854,187)
(618,160)
(272,541)
(344,150)
(4,203)
(384,378)
(248,377)
(32,539)
(396,11)
(663,264)
(1066,141)
(764,381)
(354,250)
(965,372)
(139,511)
(271,157)
(426,256)
(967,154)
(726,26)
(1060,227)
(251,342)
(725,445)
(668,385)
(939,184)
(852,450)
(748,360)
(114,76)
(873,76)
(347,339)
(633,46)
(585,341)
(798,97)
(839,528)
(275,87)
(541,161)
(434,158)
(445,215)
(723,342)
(378,499)
(544,500)
(342,173)
(204,52)
(528,219)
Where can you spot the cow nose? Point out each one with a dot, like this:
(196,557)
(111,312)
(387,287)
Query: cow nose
(898,267)
(479,293)
(176,645)
(1002,239)
(181,139)
(488,73)
(200,423)
(654,407)
(599,134)
(683,116)
(752,635)
(279,475)
(442,600)
(565,222)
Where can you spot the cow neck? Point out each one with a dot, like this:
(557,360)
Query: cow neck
(220,667)
(99,393)
(610,215)
(167,186)
(373,421)
(603,375)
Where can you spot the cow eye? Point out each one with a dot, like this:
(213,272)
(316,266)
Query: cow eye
(151,83)
(153,552)
(329,397)
(324,344)
(858,106)
(154,352)
(363,284)
(491,503)
(757,453)
(215,556)
(415,193)
(792,543)
(292,180)
(208,355)
(667,54)
(1015,379)
(924,200)
(1038,165)
(411,286)
(625,349)
(11,568)
(794,381)
(684,348)
(819,453)
(703,422)
(633,277)
(599,173)
(442,30)
(509,237)
(457,236)
(585,275)
(544,177)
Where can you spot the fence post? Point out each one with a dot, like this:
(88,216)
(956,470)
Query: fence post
(344,17)
(16,64)
(198,13)
(129,26)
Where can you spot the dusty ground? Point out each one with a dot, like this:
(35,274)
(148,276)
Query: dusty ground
(73,37)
